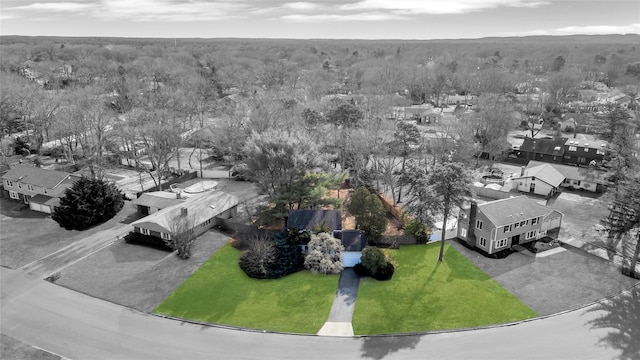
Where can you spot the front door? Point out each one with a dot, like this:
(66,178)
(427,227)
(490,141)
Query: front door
(515,240)
(532,187)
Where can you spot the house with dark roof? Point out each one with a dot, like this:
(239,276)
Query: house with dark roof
(200,213)
(542,179)
(498,225)
(542,149)
(304,220)
(578,177)
(583,151)
(40,188)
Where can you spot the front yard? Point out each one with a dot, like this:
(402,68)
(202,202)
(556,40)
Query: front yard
(422,296)
(220,292)
(425,295)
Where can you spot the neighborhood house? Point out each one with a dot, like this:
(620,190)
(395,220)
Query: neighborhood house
(199,213)
(578,178)
(40,188)
(498,225)
(542,179)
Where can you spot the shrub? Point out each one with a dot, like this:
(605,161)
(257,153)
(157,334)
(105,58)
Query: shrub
(321,228)
(418,230)
(373,259)
(384,273)
(376,264)
(257,262)
(324,254)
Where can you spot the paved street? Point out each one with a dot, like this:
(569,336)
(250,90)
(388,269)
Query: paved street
(78,326)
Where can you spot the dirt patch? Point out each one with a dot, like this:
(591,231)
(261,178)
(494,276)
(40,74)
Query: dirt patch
(137,276)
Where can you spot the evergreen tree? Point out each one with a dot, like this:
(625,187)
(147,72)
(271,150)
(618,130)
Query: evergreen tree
(369,213)
(87,203)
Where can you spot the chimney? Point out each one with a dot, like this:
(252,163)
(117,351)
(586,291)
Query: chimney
(471,235)
(183,211)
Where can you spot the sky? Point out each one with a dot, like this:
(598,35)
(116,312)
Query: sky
(330,19)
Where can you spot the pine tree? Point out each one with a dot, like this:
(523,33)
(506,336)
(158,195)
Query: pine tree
(87,203)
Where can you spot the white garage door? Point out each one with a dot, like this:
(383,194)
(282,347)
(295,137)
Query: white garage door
(40,207)
(350,258)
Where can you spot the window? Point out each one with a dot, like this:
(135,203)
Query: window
(532,234)
(463,232)
(501,243)
(145,232)
(30,187)
(582,159)
(573,148)
(600,152)
(534,221)
(586,149)
(19,185)
(45,191)
(9,183)
(506,228)
(516,225)
(163,236)
(576,182)
(479,224)
(523,223)
(14,195)
(483,242)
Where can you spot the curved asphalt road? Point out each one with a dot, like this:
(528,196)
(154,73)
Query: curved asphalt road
(78,326)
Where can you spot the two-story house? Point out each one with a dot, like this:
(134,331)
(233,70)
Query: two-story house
(547,150)
(498,225)
(40,188)
(581,151)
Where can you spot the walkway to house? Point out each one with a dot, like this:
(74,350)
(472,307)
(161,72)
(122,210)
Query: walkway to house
(339,322)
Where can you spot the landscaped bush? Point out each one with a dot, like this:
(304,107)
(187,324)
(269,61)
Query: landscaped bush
(375,263)
(257,262)
(324,254)
(268,255)
(418,230)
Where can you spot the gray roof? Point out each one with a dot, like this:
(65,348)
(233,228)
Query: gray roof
(158,199)
(507,211)
(199,209)
(575,172)
(48,179)
(305,219)
(545,172)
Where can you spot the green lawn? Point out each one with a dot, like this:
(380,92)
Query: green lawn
(425,295)
(220,292)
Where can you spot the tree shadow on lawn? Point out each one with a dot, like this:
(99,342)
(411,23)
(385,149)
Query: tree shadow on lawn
(378,347)
(621,314)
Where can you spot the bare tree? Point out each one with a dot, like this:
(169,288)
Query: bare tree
(182,235)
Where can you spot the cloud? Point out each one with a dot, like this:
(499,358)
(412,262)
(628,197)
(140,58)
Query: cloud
(438,6)
(600,29)
(54,6)
(342,17)
(138,10)
(583,30)
(301,6)
(168,10)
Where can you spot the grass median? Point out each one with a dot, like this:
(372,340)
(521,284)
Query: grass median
(425,295)
(220,292)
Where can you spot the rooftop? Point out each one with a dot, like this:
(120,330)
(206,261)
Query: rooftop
(507,211)
(47,179)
